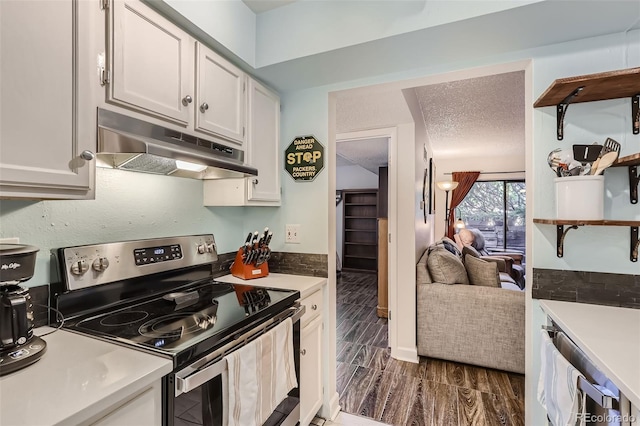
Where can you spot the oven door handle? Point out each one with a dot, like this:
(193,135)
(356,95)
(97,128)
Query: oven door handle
(199,373)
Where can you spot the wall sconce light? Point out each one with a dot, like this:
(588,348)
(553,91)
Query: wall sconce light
(446,186)
(459,225)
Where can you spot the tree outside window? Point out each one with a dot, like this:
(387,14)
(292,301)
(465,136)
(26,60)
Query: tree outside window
(497,209)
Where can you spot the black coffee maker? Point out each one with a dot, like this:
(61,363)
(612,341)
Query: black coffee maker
(18,346)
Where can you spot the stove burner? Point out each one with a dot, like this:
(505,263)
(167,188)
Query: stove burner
(177,325)
(123,318)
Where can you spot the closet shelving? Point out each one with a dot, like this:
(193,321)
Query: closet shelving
(360,250)
(589,88)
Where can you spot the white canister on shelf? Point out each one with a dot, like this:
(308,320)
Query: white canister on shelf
(580,197)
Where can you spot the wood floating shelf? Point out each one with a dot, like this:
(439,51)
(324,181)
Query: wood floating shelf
(632,161)
(593,87)
(561,233)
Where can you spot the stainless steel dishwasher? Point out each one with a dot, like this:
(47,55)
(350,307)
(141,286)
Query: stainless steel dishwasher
(603,403)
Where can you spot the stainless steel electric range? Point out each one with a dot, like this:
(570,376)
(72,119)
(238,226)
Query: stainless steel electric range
(160,295)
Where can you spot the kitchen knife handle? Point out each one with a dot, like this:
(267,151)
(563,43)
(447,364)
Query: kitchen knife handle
(248,240)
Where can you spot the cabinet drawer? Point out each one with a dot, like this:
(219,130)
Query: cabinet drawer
(313,306)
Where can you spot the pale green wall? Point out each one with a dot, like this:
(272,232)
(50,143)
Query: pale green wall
(128,206)
(593,249)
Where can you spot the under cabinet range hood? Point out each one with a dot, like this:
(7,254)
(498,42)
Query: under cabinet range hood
(127,143)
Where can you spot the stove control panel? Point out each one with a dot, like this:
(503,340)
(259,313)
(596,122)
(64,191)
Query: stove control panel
(91,265)
(146,256)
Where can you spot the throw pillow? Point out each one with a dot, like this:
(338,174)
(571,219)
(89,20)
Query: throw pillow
(482,272)
(450,245)
(470,251)
(445,267)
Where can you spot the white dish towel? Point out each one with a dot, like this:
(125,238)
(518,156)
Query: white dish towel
(260,375)
(558,387)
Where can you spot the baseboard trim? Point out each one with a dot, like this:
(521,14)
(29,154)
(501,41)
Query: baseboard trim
(406,354)
(331,410)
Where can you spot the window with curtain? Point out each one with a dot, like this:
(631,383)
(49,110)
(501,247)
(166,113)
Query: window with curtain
(497,209)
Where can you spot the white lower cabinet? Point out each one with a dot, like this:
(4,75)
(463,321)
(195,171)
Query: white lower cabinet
(311,358)
(143,409)
(47,132)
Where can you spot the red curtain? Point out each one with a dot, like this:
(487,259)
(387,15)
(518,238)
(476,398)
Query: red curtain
(465,182)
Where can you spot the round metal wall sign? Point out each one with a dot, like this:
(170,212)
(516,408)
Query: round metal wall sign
(304,158)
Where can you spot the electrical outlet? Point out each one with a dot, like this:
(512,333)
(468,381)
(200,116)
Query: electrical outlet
(292,234)
(10,240)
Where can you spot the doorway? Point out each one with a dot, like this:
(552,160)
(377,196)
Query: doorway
(405,228)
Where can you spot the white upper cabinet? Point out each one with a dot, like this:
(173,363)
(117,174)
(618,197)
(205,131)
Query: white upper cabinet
(261,151)
(220,89)
(151,63)
(262,146)
(47,133)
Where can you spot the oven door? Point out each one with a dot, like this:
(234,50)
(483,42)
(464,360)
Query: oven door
(194,395)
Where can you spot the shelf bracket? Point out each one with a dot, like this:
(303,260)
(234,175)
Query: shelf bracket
(561,110)
(634,243)
(635,114)
(561,233)
(634,181)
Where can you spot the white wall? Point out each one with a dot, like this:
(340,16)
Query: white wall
(350,177)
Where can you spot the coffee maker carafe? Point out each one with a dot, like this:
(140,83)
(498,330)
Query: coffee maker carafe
(18,346)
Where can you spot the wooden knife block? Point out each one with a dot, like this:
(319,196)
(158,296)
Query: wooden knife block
(248,271)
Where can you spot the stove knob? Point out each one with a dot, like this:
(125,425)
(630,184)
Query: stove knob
(100,264)
(79,267)
(202,248)
(210,248)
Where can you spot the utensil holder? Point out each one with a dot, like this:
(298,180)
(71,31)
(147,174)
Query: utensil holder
(580,197)
(248,271)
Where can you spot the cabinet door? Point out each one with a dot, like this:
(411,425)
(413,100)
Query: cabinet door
(151,63)
(310,370)
(262,143)
(144,409)
(42,128)
(220,96)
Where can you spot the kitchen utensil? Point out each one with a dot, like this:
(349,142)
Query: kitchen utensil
(611,145)
(586,153)
(605,161)
(558,157)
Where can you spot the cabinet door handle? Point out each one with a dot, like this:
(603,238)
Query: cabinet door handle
(87,155)
(314,307)
(254,181)
(204,107)
(187,100)
(303,352)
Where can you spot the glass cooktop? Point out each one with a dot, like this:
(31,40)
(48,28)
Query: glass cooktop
(177,321)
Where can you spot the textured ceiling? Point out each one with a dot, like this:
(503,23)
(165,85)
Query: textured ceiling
(477,117)
(368,153)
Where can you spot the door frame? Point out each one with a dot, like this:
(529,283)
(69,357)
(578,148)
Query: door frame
(391,134)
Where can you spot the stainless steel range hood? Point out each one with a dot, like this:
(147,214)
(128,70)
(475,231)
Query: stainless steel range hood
(130,144)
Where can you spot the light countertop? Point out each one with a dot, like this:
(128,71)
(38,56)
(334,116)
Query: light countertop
(77,378)
(304,284)
(609,336)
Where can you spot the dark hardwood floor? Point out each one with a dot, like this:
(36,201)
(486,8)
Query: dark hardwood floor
(431,393)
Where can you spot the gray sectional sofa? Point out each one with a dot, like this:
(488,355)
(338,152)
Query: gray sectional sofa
(474,324)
